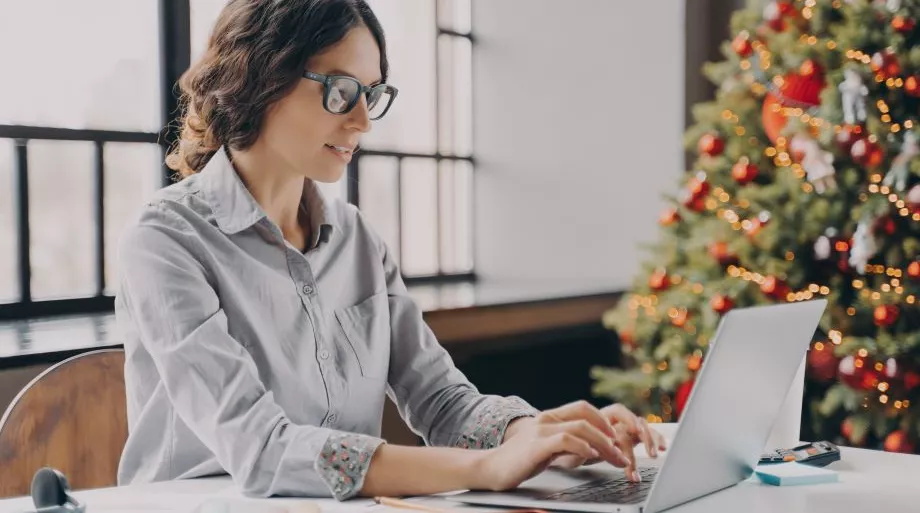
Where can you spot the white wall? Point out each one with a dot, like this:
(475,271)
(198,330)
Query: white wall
(570,174)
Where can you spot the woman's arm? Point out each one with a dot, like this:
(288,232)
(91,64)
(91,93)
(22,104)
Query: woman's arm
(211,380)
(432,395)
(397,470)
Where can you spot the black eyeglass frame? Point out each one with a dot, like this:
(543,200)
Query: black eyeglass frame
(328,80)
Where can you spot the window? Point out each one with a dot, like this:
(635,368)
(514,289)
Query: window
(415,179)
(79,117)
(82,140)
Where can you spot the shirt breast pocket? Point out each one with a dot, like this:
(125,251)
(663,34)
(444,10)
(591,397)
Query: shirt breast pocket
(366,327)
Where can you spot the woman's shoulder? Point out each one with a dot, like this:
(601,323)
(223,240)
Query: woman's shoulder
(178,210)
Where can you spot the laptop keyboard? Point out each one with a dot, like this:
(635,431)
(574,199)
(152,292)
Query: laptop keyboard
(616,491)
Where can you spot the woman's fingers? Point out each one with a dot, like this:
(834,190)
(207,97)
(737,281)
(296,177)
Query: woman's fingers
(625,443)
(563,442)
(645,436)
(605,445)
(579,410)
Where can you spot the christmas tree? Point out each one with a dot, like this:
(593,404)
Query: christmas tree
(805,184)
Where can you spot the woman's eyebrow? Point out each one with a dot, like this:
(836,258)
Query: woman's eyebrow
(336,71)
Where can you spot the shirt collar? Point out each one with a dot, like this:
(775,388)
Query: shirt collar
(235,209)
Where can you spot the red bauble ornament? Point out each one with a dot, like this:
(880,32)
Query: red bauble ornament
(902,24)
(757,224)
(698,186)
(742,45)
(669,217)
(682,395)
(711,144)
(774,287)
(822,364)
(898,441)
(885,64)
(866,153)
(694,196)
(775,14)
(744,171)
(913,270)
(912,86)
(721,304)
(696,204)
(772,118)
(719,251)
(856,372)
(885,315)
(659,280)
(847,136)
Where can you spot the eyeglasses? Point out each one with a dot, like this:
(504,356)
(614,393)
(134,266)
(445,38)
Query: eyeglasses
(341,94)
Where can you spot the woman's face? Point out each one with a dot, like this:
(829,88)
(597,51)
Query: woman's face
(314,142)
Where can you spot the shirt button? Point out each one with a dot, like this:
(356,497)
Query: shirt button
(330,420)
(324,354)
(308,289)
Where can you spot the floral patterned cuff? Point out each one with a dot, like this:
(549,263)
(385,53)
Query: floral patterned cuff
(343,462)
(488,429)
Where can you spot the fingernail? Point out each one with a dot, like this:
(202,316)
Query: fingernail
(636,477)
(594,453)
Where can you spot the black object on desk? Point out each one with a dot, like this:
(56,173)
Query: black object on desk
(816,454)
(51,493)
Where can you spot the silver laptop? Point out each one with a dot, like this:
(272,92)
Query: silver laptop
(747,373)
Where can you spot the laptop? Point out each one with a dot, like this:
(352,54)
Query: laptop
(739,391)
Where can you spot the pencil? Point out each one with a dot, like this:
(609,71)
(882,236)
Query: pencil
(401,504)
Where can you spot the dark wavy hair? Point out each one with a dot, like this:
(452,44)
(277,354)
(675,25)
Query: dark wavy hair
(255,56)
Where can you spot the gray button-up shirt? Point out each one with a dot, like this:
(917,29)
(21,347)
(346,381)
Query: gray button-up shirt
(246,356)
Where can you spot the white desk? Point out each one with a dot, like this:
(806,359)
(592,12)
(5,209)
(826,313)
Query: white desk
(870,481)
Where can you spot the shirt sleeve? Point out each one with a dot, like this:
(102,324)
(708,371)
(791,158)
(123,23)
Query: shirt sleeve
(211,379)
(434,398)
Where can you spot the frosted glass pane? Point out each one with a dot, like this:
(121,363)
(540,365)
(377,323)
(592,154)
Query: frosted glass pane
(456,216)
(133,172)
(409,126)
(9,287)
(203,14)
(61,223)
(454,15)
(83,64)
(378,194)
(419,217)
(455,100)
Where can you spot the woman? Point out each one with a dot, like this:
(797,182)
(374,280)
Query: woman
(264,325)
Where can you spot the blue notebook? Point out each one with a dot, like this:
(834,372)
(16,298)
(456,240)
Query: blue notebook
(793,473)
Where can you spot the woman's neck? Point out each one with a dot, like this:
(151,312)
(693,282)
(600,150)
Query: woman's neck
(276,187)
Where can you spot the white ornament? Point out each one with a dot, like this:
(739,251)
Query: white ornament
(864,246)
(824,246)
(818,164)
(897,176)
(913,198)
(893,5)
(854,94)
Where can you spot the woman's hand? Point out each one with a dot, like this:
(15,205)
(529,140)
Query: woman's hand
(626,429)
(572,429)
